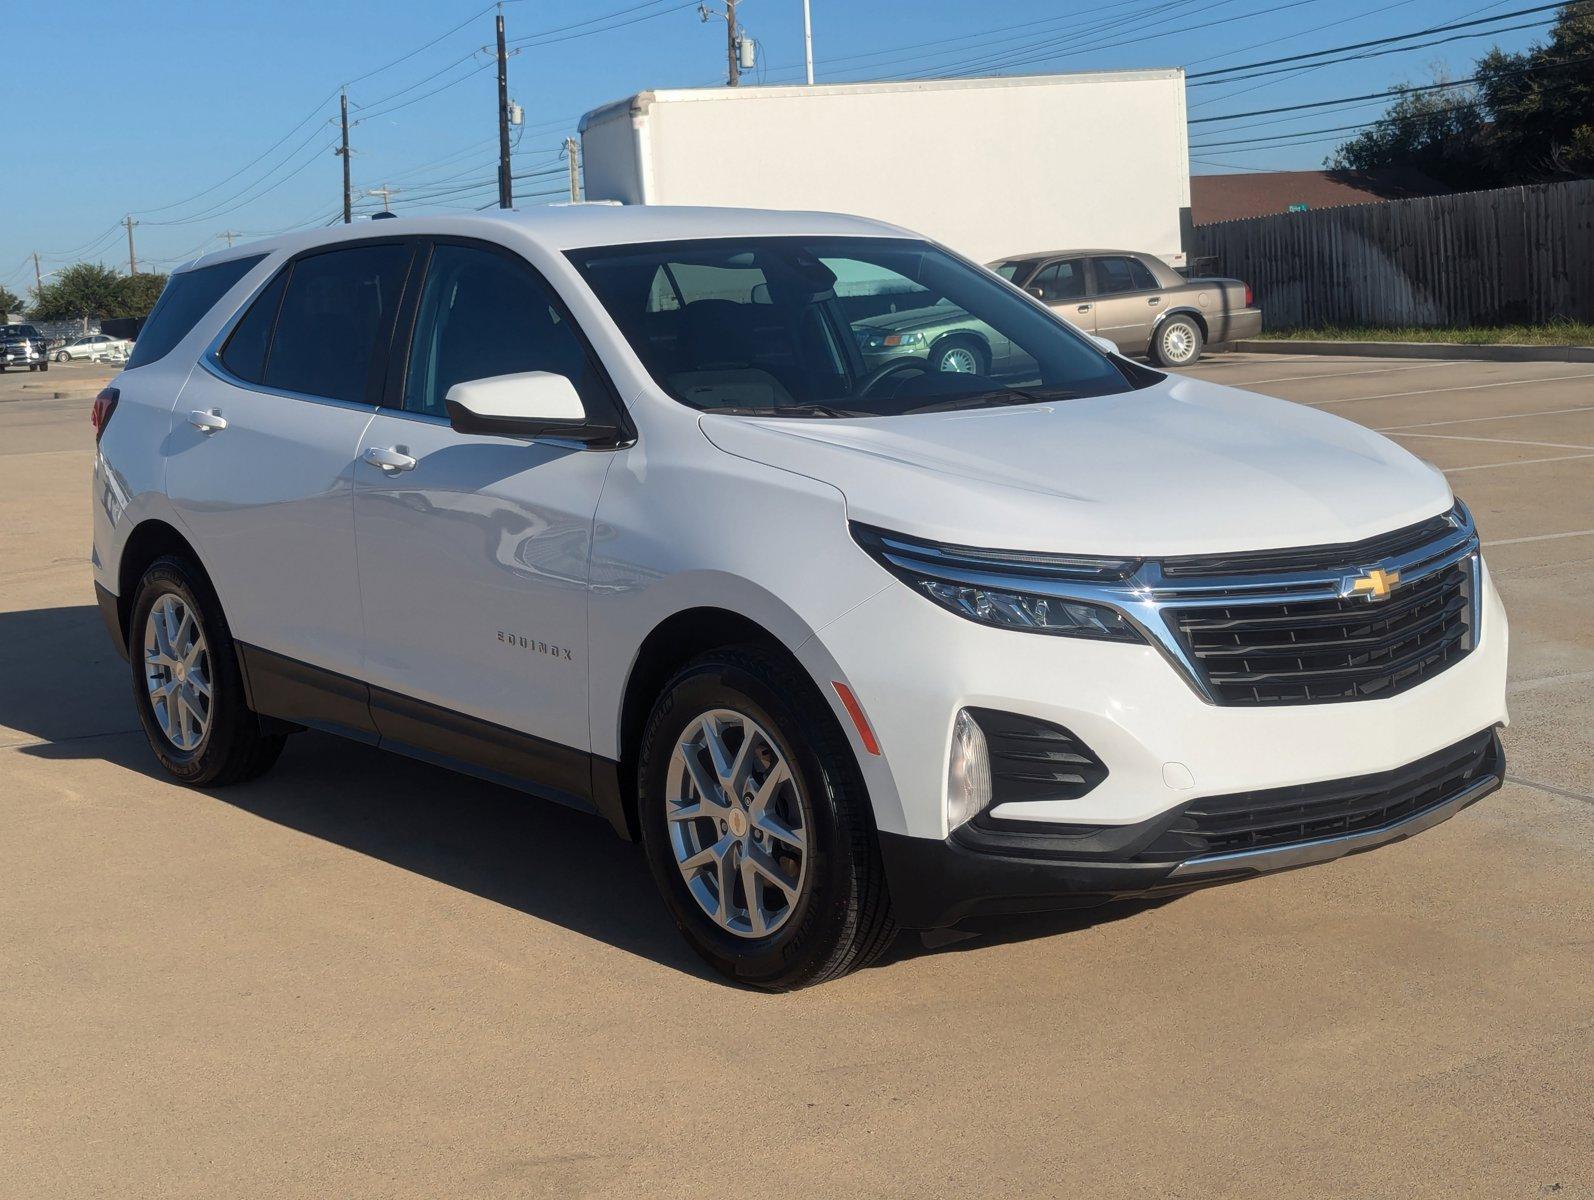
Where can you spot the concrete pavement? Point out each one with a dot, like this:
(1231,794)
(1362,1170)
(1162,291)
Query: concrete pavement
(363,976)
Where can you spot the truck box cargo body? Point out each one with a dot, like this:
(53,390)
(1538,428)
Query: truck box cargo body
(991,167)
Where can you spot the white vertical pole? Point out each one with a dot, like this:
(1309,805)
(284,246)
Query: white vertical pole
(808,42)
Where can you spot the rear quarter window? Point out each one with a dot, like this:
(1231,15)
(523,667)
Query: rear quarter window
(187,297)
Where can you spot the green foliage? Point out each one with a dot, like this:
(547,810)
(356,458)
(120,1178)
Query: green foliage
(94,290)
(1551,333)
(1528,119)
(10,302)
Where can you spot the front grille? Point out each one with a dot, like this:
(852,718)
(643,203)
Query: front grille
(1283,816)
(1322,651)
(1307,558)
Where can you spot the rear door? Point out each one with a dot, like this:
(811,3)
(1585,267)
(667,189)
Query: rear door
(1128,301)
(473,550)
(1064,287)
(263,444)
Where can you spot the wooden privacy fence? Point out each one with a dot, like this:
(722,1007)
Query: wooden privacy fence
(1521,255)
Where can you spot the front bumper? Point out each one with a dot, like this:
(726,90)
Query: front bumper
(984,870)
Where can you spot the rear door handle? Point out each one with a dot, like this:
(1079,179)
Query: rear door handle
(207,422)
(1083,308)
(1155,300)
(391,461)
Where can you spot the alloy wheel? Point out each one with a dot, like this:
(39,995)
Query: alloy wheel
(1178,344)
(177,672)
(737,823)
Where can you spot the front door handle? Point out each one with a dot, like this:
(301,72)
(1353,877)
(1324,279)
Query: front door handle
(1083,308)
(1155,300)
(207,422)
(391,461)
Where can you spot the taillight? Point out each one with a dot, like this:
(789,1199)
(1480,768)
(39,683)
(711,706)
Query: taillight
(1250,300)
(104,406)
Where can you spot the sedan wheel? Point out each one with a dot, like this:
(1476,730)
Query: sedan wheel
(1178,343)
(62,356)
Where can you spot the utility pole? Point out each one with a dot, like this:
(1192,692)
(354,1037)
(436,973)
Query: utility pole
(38,279)
(343,152)
(387,193)
(229,235)
(732,47)
(506,196)
(132,260)
(808,43)
(572,148)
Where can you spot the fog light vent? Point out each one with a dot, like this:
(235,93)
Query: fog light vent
(1035,760)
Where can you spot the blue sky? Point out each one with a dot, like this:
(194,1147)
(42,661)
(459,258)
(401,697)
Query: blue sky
(148,106)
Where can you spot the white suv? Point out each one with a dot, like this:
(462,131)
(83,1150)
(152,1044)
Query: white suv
(605,504)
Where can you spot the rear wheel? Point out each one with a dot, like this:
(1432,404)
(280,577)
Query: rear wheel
(756,824)
(186,682)
(1177,342)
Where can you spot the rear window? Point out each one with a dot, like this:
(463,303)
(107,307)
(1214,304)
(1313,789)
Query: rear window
(188,296)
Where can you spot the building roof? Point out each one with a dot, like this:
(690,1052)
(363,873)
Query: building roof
(1216,198)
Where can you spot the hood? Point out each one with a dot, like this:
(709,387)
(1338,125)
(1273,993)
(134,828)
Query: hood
(1182,467)
(913,318)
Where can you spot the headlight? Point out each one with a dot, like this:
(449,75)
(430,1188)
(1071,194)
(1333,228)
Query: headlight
(988,586)
(891,341)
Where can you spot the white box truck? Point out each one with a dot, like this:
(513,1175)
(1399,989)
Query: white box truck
(992,167)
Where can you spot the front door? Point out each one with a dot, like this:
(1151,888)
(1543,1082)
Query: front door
(1064,287)
(1128,301)
(473,550)
(263,442)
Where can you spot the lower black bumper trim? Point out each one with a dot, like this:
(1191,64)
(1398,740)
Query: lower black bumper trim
(935,884)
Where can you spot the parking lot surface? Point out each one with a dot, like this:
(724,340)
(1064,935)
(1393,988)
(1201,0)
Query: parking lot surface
(360,975)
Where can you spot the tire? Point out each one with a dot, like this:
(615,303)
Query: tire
(45,365)
(960,355)
(231,746)
(1177,342)
(62,356)
(834,914)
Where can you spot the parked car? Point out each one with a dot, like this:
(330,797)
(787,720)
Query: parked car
(93,346)
(609,504)
(1137,301)
(23,346)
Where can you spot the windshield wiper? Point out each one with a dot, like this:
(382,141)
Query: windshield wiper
(1001,399)
(787,410)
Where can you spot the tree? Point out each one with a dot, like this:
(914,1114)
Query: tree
(94,290)
(81,290)
(1528,118)
(1436,132)
(139,293)
(10,302)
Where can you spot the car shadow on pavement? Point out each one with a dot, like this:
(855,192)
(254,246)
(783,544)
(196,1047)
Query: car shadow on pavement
(547,861)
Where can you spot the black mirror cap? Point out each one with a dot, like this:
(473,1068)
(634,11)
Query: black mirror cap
(591,433)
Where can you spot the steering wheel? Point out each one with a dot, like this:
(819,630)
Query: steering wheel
(869,382)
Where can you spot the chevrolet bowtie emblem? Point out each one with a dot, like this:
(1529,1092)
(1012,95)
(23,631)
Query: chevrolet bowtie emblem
(1375,585)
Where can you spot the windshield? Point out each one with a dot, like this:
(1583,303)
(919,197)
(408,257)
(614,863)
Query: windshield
(838,327)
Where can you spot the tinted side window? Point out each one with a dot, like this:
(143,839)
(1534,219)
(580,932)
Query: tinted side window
(336,313)
(1061,281)
(245,351)
(482,314)
(1123,275)
(187,297)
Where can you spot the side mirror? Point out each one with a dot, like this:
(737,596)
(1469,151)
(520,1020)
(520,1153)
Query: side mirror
(1038,293)
(530,404)
(1107,344)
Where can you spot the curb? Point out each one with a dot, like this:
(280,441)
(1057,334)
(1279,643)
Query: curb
(1445,350)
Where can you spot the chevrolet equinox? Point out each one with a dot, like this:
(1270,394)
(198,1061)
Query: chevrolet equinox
(623,507)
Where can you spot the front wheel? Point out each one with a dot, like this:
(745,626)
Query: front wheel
(959,356)
(1177,342)
(62,356)
(757,825)
(186,682)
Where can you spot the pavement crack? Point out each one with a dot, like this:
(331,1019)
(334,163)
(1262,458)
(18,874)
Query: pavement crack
(1550,788)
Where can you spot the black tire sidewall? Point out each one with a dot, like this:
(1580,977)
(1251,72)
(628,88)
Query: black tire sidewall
(965,342)
(731,681)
